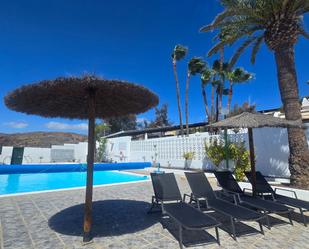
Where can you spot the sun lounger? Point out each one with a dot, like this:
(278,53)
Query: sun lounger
(168,196)
(263,188)
(202,193)
(230,186)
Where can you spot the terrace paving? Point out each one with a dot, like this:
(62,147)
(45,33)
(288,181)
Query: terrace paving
(54,220)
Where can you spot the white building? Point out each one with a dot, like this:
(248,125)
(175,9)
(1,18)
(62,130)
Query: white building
(57,153)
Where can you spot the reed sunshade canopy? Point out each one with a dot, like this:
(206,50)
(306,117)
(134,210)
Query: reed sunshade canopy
(69,97)
(87,97)
(254,120)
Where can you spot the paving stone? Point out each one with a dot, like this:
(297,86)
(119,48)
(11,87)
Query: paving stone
(54,220)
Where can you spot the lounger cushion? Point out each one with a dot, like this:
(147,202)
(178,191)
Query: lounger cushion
(188,216)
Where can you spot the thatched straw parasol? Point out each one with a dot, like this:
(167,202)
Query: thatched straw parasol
(254,120)
(87,97)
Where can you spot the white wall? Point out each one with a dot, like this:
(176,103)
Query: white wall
(6,155)
(36,155)
(119,149)
(80,152)
(271,150)
(168,151)
(43,155)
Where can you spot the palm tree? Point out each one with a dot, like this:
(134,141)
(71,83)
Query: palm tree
(214,86)
(238,75)
(278,23)
(179,53)
(206,77)
(196,65)
(221,69)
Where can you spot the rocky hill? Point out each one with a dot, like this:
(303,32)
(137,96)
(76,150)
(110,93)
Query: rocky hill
(40,139)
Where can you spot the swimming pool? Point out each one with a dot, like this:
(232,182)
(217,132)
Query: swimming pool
(22,183)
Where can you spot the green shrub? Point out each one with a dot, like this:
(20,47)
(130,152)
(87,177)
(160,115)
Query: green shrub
(188,155)
(241,157)
(216,151)
(101,150)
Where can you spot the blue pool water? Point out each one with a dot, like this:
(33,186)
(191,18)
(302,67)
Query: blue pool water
(20,183)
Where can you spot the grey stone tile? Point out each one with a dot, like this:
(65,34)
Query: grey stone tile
(54,220)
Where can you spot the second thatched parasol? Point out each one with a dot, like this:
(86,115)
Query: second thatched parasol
(87,97)
(250,121)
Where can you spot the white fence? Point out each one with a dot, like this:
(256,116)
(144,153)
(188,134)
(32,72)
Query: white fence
(271,149)
(169,151)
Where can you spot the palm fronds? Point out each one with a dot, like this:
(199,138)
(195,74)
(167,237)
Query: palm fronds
(196,65)
(240,50)
(179,52)
(239,75)
(256,46)
(255,21)
(206,76)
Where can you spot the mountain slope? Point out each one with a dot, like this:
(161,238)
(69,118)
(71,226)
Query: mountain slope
(40,139)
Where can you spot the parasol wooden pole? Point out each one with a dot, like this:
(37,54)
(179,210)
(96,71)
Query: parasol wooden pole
(226,148)
(90,160)
(252,160)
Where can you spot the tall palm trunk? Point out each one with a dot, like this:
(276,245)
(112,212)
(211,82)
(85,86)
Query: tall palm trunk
(230,96)
(217,105)
(212,110)
(205,101)
(299,153)
(178,96)
(222,82)
(220,99)
(187,102)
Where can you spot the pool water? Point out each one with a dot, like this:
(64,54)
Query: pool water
(21,183)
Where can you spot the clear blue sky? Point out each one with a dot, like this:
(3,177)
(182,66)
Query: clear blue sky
(129,40)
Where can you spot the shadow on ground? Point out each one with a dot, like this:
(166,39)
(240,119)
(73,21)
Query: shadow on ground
(242,229)
(190,237)
(274,222)
(297,217)
(110,218)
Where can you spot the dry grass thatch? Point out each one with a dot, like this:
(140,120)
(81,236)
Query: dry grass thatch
(68,98)
(255,120)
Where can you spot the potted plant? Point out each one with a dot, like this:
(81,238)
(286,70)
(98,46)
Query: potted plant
(188,156)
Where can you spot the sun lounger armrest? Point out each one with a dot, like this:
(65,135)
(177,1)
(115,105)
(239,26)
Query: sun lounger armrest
(186,195)
(247,189)
(198,200)
(287,190)
(228,193)
(222,192)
